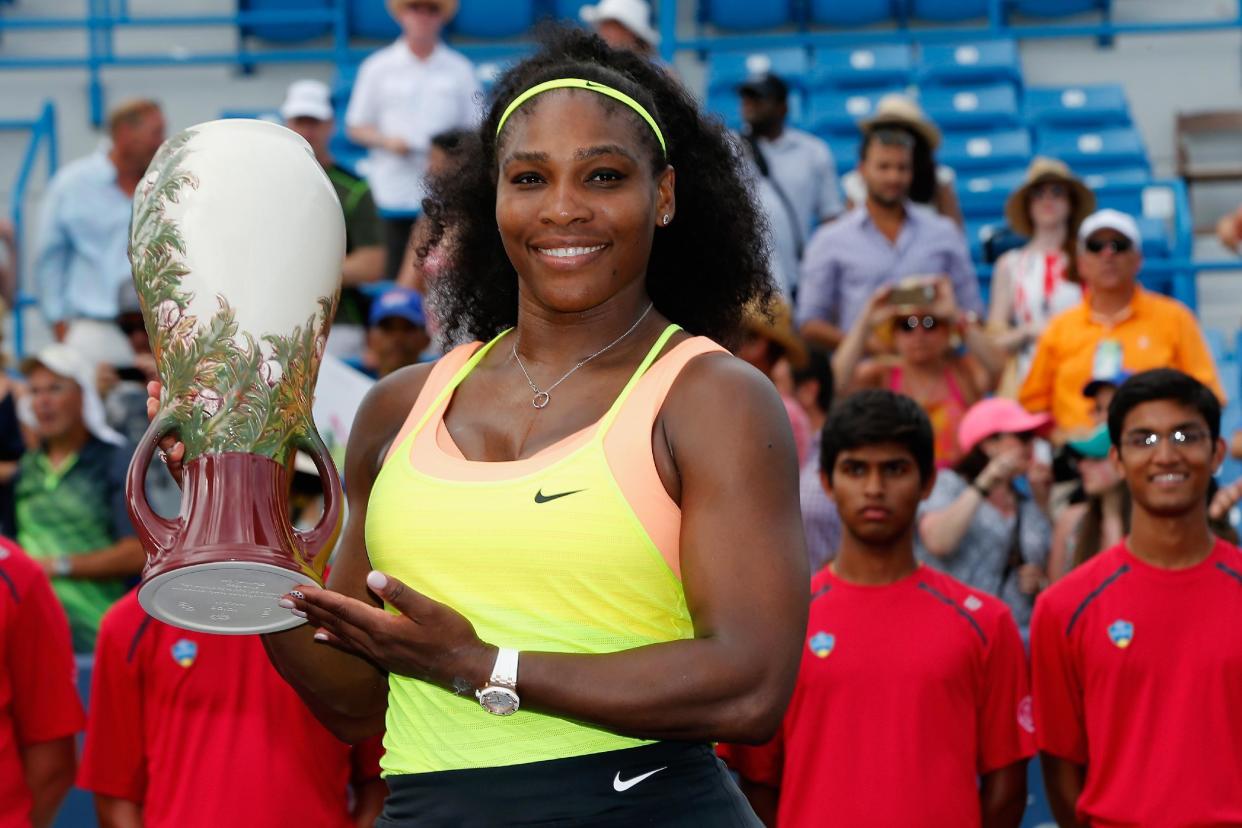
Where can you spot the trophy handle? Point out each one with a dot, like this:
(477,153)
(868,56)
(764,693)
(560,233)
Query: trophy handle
(158,532)
(314,540)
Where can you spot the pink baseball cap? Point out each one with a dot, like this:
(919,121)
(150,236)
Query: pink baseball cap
(997,416)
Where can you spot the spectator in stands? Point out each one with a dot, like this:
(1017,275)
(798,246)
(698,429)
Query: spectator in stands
(979,525)
(307,110)
(1117,320)
(406,93)
(770,344)
(912,703)
(1037,281)
(623,24)
(1130,728)
(398,331)
(8,267)
(879,242)
(172,744)
(927,365)
(71,512)
(813,388)
(795,166)
(39,707)
(82,256)
(932,184)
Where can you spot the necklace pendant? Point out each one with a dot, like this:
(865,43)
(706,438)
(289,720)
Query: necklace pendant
(541,399)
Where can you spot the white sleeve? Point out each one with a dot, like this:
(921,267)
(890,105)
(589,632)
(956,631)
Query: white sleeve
(363,109)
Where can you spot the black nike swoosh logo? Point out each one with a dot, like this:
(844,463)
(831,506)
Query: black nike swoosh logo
(540,497)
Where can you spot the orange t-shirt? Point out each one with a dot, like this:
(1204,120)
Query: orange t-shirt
(1158,333)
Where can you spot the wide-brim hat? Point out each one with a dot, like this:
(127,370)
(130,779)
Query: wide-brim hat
(902,111)
(634,15)
(775,324)
(1041,171)
(448,8)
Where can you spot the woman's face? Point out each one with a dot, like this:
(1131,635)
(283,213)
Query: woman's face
(1049,204)
(920,338)
(1098,474)
(1021,445)
(576,203)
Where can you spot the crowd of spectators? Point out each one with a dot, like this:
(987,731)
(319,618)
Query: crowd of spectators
(877,293)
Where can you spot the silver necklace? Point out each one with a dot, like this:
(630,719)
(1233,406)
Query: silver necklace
(543,397)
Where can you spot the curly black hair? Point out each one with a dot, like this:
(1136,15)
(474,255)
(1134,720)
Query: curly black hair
(706,268)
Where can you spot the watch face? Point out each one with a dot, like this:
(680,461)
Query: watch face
(499,701)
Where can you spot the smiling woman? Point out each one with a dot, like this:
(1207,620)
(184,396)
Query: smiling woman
(574,557)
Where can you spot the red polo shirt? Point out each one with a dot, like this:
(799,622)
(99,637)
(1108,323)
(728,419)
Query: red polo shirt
(38,695)
(1137,674)
(906,693)
(202,731)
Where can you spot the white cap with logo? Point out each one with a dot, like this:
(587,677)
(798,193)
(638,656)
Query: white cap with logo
(1110,219)
(634,15)
(307,99)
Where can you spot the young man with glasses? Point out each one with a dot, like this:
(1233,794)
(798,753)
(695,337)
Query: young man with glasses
(1116,315)
(1137,654)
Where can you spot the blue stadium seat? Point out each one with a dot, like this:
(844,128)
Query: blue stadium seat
(982,62)
(851,12)
(953,107)
(728,105)
(983,196)
(1095,105)
(344,151)
(744,15)
(1058,8)
(977,233)
(488,71)
(1101,148)
(285,32)
(370,19)
(1001,150)
(839,111)
(1128,198)
(867,66)
(342,86)
(948,10)
(568,9)
(1218,343)
(725,70)
(1157,243)
(844,150)
(1119,176)
(498,18)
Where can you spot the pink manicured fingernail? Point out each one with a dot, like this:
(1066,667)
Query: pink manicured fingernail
(377,580)
(321,636)
(285,602)
(298,613)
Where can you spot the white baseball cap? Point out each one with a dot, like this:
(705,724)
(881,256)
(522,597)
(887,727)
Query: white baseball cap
(307,99)
(1110,219)
(634,15)
(67,362)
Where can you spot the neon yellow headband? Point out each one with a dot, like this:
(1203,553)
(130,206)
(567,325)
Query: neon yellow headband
(579,83)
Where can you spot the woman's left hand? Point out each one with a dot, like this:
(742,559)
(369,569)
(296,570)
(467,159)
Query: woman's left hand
(428,640)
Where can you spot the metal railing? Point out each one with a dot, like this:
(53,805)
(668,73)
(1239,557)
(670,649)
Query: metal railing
(42,137)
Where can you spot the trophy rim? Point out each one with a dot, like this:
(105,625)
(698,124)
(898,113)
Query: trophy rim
(150,588)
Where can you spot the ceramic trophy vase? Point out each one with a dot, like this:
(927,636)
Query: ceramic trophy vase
(236,244)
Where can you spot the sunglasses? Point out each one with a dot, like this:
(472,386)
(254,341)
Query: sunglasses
(1048,191)
(1119,245)
(913,323)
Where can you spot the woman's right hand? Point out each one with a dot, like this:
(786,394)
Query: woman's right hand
(1002,468)
(172,450)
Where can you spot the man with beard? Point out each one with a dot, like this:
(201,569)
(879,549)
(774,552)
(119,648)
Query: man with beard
(911,707)
(1137,654)
(82,257)
(882,241)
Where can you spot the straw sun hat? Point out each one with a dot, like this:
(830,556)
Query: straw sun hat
(1042,170)
(900,110)
(448,8)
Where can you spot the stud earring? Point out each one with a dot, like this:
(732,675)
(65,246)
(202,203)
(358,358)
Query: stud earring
(667,219)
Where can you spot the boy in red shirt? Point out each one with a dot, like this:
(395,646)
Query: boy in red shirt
(39,707)
(912,706)
(1137,654)
(191,729)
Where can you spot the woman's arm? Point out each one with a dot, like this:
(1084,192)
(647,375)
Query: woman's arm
(743,568)
(345,692)
(848,358)
(1067,524)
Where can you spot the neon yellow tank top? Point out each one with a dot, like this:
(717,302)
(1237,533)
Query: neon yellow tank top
(540,556)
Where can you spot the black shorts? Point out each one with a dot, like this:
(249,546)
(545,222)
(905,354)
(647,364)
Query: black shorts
(663,784)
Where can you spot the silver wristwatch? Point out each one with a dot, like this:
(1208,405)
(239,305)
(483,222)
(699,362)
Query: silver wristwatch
(499,697)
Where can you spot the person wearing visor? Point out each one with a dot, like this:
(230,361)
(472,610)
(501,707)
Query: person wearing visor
(71,512)
(1117,316)
(979,524)
(624,25)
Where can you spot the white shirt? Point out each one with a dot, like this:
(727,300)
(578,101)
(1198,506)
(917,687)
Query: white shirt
(414,100)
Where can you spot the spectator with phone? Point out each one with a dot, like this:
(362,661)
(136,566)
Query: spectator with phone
(921,320)
(885,239)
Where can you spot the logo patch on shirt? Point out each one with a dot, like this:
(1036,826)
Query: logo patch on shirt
(1026,715)
(184,652)
(1121,633)
(972,603)
(822,644)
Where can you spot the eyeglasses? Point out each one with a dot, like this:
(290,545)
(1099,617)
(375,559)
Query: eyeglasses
(910,324)
(1181,439)
(1119,245)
